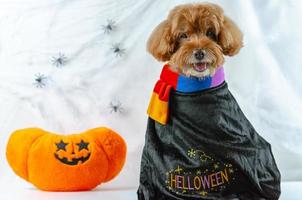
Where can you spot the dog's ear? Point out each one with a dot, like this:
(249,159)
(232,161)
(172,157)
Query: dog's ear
(160,43)
(230,37)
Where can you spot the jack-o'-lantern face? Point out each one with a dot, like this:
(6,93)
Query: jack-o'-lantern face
(74,162)
(71,153)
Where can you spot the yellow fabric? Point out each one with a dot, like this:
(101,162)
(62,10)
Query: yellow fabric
(158,109)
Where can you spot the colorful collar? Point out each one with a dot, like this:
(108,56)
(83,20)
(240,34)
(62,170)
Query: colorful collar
(158,107)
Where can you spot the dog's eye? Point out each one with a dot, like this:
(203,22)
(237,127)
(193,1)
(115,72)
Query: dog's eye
(183,36)
(211,35)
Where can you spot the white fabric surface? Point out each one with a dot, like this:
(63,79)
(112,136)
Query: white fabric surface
(290,191)
(264,77)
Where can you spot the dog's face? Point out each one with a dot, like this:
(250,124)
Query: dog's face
(194,38)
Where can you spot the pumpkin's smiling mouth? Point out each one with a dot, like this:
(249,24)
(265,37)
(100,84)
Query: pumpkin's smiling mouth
(74,161)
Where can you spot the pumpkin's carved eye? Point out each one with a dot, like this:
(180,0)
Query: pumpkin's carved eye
(83,145)
(61,145)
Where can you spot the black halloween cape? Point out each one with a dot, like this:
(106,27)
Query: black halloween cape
(206,150)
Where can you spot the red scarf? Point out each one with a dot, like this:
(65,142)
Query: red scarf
(158,108)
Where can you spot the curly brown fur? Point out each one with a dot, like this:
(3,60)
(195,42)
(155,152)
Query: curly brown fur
(194,39)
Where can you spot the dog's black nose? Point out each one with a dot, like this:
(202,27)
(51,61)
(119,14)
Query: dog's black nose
(199,54)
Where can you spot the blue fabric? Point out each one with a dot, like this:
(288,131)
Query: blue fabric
(190,84)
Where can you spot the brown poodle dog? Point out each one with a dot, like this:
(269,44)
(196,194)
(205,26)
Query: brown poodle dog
(194,39)
(198,143)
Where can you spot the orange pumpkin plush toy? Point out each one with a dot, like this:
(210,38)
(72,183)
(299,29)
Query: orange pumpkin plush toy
(66,162)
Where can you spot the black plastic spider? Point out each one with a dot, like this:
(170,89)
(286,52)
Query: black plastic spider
(40,80)
(59,60)
(116,106)
(116,48)
(109,27)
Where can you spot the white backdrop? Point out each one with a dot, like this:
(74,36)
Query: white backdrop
(265,77)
